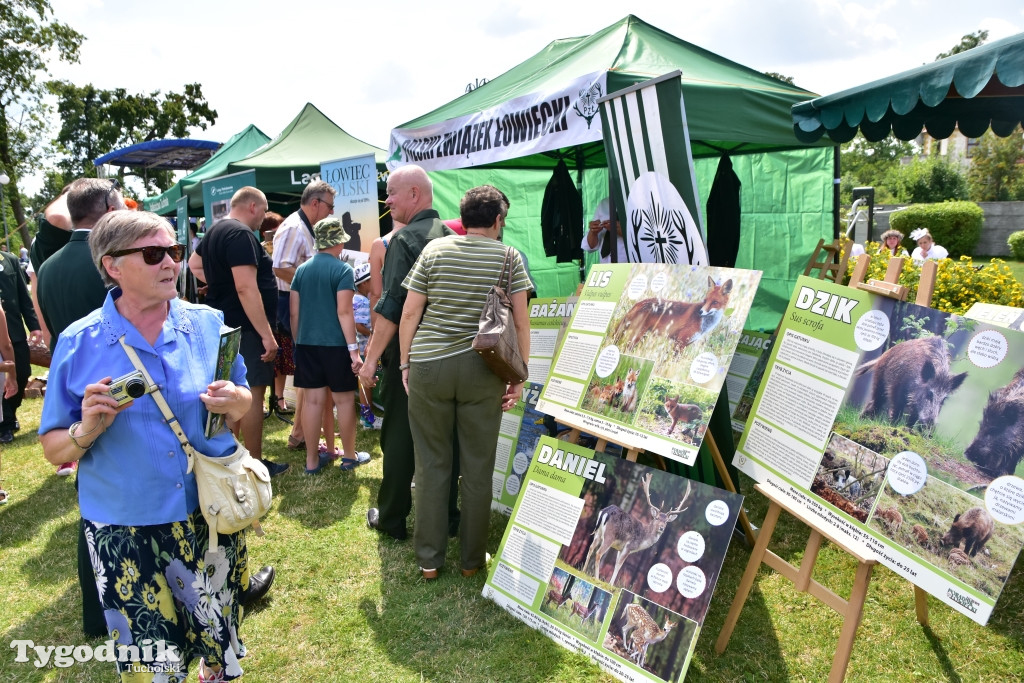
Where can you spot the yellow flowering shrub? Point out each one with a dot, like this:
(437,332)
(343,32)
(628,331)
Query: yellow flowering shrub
(958,284)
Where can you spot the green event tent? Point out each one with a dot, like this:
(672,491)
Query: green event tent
(286,165)
(787,192)
(240,145)
(972,91)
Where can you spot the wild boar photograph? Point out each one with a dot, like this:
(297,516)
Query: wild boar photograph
(952,531)
(946,387)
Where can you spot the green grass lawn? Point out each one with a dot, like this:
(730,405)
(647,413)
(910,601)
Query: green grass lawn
(350,606)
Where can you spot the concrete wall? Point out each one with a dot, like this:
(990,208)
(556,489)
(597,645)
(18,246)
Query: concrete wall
(1001,218)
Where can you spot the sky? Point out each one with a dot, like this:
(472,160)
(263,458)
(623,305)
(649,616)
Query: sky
(373,66)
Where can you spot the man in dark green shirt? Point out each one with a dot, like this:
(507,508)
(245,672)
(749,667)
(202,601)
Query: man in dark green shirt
(69,284)
(17,305)
(411,200)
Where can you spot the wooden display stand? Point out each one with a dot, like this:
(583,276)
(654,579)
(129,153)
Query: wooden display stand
(849,609)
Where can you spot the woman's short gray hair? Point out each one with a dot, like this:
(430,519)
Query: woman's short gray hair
(118,230)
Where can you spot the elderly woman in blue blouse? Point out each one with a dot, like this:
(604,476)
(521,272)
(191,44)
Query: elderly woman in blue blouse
(161,591)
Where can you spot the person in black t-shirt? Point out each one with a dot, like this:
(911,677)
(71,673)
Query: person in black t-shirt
(240,276)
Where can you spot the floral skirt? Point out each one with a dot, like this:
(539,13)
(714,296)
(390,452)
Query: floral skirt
(166,601)
(284,364)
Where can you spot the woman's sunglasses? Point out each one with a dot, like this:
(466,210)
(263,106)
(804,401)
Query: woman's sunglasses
(154,255)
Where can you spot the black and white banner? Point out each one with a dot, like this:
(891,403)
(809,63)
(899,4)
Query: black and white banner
(538,122)
(651,166)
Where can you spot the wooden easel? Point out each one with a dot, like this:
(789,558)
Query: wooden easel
(852,608)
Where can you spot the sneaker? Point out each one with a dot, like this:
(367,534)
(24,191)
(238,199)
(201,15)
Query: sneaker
(67,468)
(276,468)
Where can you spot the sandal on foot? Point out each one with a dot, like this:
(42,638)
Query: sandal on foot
(294,445)
(348,464)
(324,460)
(213,676)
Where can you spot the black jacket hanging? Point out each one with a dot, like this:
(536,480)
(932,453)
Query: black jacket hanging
(561,217)
(724,216)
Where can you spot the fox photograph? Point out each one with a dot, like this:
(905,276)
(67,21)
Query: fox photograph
(617,395)
(676,409)
(671,315)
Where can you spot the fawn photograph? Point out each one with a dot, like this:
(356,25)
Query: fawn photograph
(676,314)
(576,604)
(654,638)
(953,531)
(634,521)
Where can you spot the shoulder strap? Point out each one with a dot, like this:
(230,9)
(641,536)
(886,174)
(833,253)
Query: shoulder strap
(506,271)
(161,403)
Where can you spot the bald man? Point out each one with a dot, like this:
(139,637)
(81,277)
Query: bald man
(411,201)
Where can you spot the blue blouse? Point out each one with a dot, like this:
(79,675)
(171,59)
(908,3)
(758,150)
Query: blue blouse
(135,472)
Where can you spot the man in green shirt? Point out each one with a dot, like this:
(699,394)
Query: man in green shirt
(411,200)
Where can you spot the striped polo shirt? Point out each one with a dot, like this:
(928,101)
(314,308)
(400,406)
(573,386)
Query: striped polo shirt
(455,273)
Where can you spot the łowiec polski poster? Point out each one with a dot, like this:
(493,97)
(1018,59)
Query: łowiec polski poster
(613,559)
(646,353)
(903,428)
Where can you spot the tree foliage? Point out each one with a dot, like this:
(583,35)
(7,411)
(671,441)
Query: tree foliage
(997,168)
(871,164)
(780,77)
(969,41)
(95,122)
(29,35)
(926,181)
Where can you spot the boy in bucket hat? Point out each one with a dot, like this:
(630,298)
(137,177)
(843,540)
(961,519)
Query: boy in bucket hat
(323,324)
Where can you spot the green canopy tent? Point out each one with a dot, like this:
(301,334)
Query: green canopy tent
(286,165)
(514,129)
(973,91)
(240,145)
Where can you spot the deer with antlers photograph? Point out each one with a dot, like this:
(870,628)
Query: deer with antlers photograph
(627,534)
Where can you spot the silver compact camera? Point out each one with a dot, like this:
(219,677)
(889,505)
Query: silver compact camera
(128,387)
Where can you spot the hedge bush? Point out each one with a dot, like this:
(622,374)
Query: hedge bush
(958,283)
(954,225)
(1016,244)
